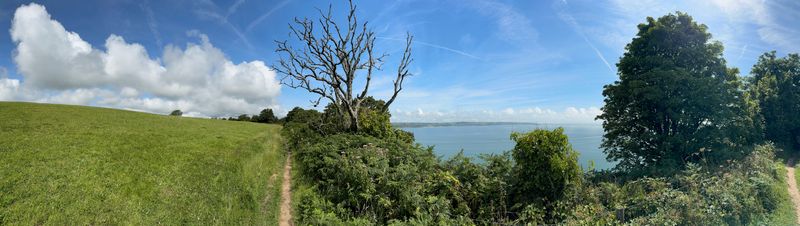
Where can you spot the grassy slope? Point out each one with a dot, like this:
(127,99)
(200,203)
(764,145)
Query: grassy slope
(784,214)
(82,165)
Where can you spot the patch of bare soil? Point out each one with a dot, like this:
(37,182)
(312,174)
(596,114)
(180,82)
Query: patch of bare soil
(793,188)
(286,193)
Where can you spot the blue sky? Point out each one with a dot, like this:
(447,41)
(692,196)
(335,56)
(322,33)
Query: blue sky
(474,60)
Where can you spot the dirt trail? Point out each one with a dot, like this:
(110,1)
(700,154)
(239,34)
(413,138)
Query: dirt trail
(793,188)
(286,193)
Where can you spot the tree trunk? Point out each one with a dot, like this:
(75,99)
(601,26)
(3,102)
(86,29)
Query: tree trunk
(354,124)
(353,113)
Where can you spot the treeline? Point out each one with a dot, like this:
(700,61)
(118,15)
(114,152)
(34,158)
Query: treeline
(265,116)
(694,143)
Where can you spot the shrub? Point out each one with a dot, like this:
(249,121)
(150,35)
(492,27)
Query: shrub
(483,187)
(176,113)
(740,193)
(546,165)
(376,179)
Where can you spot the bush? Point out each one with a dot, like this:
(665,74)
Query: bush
(176,113)
(546,165)
(376,179)
(300,115)
(360,179)
(739,193)
(483,187)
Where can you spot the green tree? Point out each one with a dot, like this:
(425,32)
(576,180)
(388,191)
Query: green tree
(775,85)
(300,115)
(546,166)
(266,116)
(243,117)
(676,101)
(374,118)
(176,113)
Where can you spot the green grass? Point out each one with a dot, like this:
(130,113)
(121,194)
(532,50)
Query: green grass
(784,214)
(68,165)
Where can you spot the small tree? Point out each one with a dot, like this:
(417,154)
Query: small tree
(243,117)
(300,115)
(176,113)
(546,165)
(266,116)
(333,58)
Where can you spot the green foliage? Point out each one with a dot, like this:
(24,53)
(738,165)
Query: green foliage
(743,192)
(546,165)
(374,121)
(776,86)
(483,187)
(300,115)
(176,113)
(363,177)
(74,165)
(244,118)
(266,116)
(676,102)
(364,180)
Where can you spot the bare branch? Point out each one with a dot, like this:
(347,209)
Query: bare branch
(332,58)
(402,71)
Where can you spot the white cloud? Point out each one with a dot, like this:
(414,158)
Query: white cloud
(76,96)
(8,88)
(733,22)
(59,66)
(511,24)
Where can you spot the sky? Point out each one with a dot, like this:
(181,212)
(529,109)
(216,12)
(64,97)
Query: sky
(474,60)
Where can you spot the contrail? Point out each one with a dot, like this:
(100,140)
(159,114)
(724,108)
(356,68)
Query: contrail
(741,54)
(438,47)
(265,15)
(566,17)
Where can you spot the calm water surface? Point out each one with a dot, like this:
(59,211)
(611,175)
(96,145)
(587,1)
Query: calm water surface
(474,140)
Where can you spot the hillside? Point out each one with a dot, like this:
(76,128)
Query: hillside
(73,165)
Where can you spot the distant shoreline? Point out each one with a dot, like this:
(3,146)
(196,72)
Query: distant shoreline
(444,124)
(450,124)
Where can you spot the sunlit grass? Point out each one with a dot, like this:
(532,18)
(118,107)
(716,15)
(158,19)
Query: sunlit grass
(784,213)
(72,165)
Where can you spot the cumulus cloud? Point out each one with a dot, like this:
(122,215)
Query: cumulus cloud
(8,88)
(59,66)
(533,114)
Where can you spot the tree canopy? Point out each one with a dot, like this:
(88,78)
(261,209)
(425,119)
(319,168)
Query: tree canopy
(775,85)
(176,113)
(676,101)
(266,116)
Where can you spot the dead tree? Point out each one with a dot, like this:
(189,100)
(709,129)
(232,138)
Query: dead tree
(332,59)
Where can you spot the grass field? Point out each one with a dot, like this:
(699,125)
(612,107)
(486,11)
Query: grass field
(73,165)
(784,214)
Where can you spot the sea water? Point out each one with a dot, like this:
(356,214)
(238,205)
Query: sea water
(477,139)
